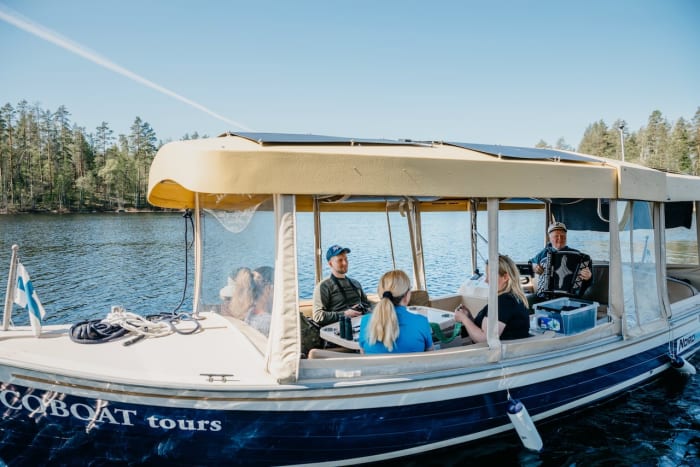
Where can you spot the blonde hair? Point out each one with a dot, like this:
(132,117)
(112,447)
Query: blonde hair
(243,287)
(507,266)
(384,324)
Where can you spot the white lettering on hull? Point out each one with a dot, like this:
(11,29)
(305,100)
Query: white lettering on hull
(51,404)
(685,342)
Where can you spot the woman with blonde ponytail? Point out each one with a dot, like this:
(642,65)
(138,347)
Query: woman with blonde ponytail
(391,327)
(513,314)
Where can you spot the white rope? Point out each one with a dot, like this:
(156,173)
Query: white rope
(137,323)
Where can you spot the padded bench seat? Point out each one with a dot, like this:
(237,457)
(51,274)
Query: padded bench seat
(598,291)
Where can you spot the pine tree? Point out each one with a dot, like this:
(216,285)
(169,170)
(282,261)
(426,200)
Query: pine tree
(679,148)
(655,140)
(142,141)
(596,141)
(103,141)
(562,144)
(694,143)
(7,116)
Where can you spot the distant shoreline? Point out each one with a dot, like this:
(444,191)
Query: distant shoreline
(7,212)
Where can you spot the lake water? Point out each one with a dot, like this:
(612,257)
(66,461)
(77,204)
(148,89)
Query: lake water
(81,265)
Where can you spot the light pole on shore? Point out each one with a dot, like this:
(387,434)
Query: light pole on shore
(622,139)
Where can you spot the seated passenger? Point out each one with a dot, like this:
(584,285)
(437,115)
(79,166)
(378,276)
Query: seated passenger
(238,294)
(260,312)
(513,315)
(226,293)
(391,327)
(557,242)
(338,295)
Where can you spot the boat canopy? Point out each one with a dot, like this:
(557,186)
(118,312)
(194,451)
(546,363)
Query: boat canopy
(239,172)
(253,164)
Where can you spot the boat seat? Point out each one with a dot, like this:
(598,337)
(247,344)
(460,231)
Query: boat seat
(679,289)
(446,302)
(419,298)
(338,353)
(598,290)
(306,308)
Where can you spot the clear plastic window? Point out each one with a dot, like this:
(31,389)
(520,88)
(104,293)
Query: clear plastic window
(366,235)
(682,245)
(238,259)
(639,280)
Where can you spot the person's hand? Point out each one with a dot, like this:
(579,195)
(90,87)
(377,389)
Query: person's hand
(585,274)
(462,313)
(351,313)
(537,268)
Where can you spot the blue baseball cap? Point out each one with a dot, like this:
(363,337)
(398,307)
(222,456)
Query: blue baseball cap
(335,250)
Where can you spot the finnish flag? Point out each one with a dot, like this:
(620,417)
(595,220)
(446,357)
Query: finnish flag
(26,297)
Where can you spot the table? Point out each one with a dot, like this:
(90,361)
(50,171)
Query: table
(331,332)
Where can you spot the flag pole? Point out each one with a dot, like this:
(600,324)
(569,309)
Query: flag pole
(11,279)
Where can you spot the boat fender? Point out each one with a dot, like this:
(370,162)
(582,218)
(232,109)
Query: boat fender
(682,366)
(524,425)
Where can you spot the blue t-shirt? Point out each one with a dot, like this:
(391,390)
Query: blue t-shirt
(415,334)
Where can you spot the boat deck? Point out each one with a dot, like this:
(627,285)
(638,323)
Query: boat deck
(220,349)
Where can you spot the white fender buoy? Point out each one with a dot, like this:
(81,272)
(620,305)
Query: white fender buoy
(682,366)
(524,425)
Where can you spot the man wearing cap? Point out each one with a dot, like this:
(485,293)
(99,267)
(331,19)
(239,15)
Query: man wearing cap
(338,295)
(557,242)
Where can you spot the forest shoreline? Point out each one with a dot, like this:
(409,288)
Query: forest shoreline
(9,212)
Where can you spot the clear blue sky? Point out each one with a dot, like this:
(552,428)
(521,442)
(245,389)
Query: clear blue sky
(504,72)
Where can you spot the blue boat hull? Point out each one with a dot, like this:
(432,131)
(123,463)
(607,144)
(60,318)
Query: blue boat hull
(44,426)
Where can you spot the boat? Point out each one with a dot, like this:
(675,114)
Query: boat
(218,387)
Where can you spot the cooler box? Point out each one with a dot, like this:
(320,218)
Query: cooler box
(564,315)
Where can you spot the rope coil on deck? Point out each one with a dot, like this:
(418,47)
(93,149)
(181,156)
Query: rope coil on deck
(138,324)
(120,322)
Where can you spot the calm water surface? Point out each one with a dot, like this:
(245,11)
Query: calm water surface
(81,265)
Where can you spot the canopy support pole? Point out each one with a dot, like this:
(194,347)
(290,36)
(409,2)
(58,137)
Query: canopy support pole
(414,229)
(317,241)
(474,207)
(492,336)
(197,256)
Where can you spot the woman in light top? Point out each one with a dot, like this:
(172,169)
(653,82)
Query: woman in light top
(513,315)
(391,327)
(259,314)
(238,293)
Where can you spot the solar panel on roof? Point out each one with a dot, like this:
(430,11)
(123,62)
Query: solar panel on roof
(516,152)
(293,138)
(513,152)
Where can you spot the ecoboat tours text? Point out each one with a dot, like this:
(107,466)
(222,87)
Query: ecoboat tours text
(22,401)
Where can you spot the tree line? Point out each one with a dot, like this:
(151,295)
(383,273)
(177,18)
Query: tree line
(671,147)
(48,163)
